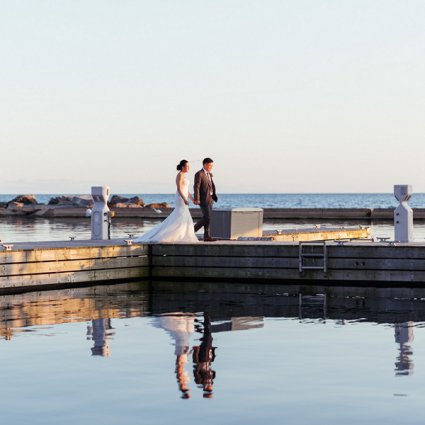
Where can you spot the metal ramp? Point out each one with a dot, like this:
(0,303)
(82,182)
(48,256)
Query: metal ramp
(309,252)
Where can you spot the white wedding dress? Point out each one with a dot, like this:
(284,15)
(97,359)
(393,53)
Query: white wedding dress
(177,227)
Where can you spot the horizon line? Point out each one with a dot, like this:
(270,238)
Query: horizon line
(222,193)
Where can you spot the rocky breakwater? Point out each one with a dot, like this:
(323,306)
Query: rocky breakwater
(80,206)
(136,208)
(21,205)
(60,206)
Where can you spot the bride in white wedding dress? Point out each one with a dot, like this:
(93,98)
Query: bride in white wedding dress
(178,226)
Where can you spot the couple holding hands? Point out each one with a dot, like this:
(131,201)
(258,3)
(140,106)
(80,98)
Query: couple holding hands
(178,226)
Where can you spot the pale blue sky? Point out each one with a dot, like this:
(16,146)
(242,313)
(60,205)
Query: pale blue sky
(285,96)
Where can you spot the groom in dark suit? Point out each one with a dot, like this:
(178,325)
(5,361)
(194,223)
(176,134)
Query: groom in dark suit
(204,196)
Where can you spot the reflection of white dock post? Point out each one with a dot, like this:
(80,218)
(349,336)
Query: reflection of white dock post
(100,215)
(403,214)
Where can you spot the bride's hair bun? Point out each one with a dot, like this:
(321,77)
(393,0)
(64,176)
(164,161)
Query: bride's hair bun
(182,163)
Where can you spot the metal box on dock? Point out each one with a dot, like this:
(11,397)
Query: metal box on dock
(235,222)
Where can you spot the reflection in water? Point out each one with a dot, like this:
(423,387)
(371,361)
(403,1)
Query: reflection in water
(182,374)
(33,309)
(100,331)
(180,327)
(225,307)
(309,303)
(203,356)
(403,333)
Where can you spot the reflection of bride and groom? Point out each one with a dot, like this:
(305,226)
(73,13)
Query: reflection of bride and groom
(181,326)
(178,226)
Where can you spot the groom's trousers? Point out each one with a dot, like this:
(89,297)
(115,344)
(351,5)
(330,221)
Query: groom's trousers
(205,220)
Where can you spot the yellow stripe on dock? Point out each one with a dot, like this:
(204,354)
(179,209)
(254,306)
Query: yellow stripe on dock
(315,234)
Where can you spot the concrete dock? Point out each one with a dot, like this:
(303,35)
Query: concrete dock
(30,266)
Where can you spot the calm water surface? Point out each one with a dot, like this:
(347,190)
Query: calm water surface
(38,229)
(216,353)
(167,352)
(18,230)
(279,200)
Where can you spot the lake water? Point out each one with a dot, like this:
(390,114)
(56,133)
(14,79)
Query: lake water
(23,229)
(279,200)
(167,352)
(216,353)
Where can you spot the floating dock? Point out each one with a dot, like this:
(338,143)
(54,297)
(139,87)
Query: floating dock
(70,263)
(34,266)
(365,263)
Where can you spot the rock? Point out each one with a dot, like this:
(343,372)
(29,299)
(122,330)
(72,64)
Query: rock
(117,199)
(3,204)
(161,205)
(82,201)
(136,200)
(13,205)
(60,200)
(25,200)
(85,201)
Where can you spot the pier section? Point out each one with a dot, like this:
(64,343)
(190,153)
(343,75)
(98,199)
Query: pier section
(42,265)
(365,263)
(65,264)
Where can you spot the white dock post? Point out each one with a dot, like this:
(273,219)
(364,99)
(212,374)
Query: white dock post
(403,214)
(100,216)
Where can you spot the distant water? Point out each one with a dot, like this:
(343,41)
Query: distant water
(280,200)
(22,229)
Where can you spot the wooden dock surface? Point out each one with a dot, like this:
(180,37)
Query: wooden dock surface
(65,263)
(318,233)
(368,263)
(37,265)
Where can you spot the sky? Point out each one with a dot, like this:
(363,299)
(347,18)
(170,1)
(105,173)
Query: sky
(286,96)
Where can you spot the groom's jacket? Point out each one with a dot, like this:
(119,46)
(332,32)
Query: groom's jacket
(204,188)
